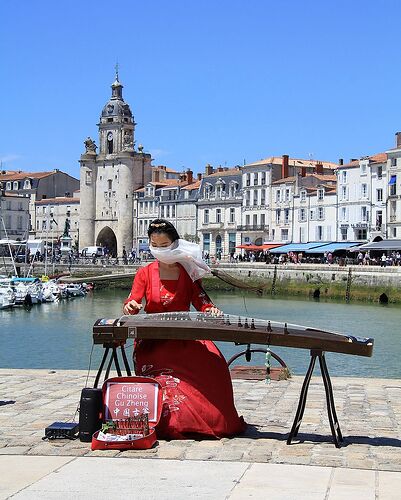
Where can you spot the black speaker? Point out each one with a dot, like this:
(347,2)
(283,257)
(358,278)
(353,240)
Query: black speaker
(90,413)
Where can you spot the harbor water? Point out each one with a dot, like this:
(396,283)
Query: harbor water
(59,335)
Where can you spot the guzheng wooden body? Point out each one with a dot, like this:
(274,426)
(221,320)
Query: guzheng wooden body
(227,328)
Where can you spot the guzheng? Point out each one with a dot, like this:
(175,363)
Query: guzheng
(227,328)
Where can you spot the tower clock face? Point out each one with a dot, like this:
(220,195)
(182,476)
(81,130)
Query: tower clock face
(110,136)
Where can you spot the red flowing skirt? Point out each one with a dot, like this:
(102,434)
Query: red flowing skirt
(197,390)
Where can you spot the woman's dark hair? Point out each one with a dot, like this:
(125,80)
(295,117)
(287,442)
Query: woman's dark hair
(161,226)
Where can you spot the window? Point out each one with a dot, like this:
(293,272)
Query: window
(255,179)
(320,194)
(263,197)
(278,215)
(393,185)
(247,198)
(287,195)
(255,197)
(303,195)
(344,231)
(302,214)
(320,213)
(255,220)
(379,194)
(278,196)
(344,193)
(218,215)
(319,233)
(312,215)
(206,242)
(15,185)
(263,178)
(394,232)
(379,172)
(284,235)
(343,213)
(364,214)
(361,234)
(393,162)
(364,190)
(363,168)
(247,220)
(206,216)
(88,177)
(173,211)
(248,180)
(286,215)
(232,215)
(344,176)
(8,186)
(262,219)
(27,184)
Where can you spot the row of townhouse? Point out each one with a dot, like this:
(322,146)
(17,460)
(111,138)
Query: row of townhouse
(278,200)
(38,204)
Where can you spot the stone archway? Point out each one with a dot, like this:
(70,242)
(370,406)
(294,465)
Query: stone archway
(259,241)
(106,238)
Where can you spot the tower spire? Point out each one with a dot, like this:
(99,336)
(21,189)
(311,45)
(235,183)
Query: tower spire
(116,68)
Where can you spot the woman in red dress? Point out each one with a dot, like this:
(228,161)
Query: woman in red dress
(197,391)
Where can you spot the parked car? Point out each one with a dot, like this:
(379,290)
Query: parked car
(92,251)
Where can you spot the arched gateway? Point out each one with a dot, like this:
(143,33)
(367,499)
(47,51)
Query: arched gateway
(106,238)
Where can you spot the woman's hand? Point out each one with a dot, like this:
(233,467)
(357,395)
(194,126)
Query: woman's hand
(214,311)
(132,307)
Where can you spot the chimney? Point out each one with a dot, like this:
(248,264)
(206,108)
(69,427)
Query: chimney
(398,139)
(208,169)
(156,175)
(303,171)
(354,159)
(190,176)
(341,161)
(220,169)
(319,168)
(199,176)
(284,167)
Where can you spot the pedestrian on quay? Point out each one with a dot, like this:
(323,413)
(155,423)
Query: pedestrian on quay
(197,390)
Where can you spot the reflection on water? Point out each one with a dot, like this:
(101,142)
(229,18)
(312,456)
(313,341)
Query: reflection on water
(59,336)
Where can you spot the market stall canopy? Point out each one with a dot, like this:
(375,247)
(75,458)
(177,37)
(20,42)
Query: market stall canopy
(333,247)
(265,246)
(379,246)
(297,247)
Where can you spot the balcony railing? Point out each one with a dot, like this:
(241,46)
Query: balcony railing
(253,227)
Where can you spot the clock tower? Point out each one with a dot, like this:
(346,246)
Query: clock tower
(109,177)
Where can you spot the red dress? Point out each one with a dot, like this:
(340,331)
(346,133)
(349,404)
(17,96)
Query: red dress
(197,391)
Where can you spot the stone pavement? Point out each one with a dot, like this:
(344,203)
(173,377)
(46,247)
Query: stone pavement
(369,413)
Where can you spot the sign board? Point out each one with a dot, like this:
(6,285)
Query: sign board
(130,399)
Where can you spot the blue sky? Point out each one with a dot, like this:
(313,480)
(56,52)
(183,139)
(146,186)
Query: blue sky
(220,82)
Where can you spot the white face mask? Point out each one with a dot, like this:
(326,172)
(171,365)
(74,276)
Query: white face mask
(185,253)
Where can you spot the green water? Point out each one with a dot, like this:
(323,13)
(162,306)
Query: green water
(59,336)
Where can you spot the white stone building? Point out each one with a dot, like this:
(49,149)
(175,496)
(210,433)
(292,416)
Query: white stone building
(394,190)
(268,203)
(109,178)
(361,188)
(52,216)
(219,211)
(14,216)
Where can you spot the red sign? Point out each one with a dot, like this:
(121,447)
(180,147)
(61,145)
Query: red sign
(130,399)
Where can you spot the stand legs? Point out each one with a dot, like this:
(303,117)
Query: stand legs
(113,358)
(334,425)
